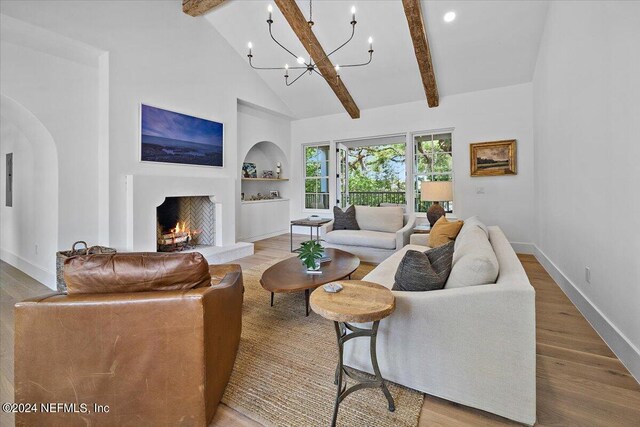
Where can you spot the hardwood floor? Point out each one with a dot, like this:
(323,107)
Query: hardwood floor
(579,379)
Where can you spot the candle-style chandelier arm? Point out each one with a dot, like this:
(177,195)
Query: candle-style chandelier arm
(328,81)
(288,83)
(353,32)
(310,66)
(272,68)
(361,64)
(277,42)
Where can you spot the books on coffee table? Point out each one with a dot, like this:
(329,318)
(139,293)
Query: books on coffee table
(324,259)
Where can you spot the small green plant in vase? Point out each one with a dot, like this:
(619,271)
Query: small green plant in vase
(309,253)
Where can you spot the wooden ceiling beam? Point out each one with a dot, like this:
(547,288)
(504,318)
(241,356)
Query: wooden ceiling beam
(413,11)
(299,25)
(199,7)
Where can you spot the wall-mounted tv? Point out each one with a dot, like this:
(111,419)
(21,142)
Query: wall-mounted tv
(170,137)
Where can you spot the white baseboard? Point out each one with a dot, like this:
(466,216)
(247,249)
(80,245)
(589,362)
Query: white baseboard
(628,354)
(523,248)
(43,276)
(263,236)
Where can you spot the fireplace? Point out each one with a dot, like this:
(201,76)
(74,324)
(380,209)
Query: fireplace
(185,223)
(145,193)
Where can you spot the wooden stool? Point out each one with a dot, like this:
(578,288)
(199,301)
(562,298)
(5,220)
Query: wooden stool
(358,302)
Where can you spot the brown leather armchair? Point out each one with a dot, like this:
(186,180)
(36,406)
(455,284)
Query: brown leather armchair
(157,358)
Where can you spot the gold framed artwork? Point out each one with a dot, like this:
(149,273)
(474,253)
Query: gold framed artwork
(493,158)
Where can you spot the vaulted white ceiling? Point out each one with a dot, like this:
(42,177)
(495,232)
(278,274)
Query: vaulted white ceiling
(489,44)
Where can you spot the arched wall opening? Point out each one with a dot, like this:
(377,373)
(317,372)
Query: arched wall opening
(264,209)
(30,227)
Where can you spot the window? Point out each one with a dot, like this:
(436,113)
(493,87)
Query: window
(316,177)
(433,161)
(376,174)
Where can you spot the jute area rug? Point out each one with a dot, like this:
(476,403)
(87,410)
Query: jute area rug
(284,371)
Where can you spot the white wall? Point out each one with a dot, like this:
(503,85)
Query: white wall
(587,133)
(160,56)
(29,228)
(59,88)
(496,114)
(255,125)
(63,95)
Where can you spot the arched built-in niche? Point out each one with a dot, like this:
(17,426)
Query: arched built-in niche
(29,230)
(266,155)
(267,217)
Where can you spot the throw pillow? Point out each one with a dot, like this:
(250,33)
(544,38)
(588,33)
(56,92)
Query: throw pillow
(424,271)
(444,231)
(345,220)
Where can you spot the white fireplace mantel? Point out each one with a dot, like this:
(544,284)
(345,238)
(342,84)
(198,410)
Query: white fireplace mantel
(146,192)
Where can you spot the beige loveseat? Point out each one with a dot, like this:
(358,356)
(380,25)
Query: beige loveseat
(383,231)
(474,345)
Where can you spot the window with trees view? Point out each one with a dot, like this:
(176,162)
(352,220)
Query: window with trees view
(377,174)
(433,162)
(316,180)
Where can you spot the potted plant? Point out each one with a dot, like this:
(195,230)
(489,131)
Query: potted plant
(309,253)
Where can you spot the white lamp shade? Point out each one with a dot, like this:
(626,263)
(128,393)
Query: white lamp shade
(437,191)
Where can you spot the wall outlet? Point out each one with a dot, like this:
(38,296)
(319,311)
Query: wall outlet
(587,274)
(479,190)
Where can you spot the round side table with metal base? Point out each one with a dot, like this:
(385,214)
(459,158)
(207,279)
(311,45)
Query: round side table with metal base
(358,302)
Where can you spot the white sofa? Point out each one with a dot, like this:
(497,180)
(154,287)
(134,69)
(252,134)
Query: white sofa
(474,345)
(383,231)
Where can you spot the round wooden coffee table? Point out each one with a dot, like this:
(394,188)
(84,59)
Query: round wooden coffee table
(357,302)
(291,276)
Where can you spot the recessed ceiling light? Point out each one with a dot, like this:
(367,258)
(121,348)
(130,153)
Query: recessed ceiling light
(449,16)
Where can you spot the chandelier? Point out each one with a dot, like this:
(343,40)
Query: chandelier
(310,67)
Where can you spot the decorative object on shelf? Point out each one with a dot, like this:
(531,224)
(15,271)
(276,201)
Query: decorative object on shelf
(249,170)
(241,196)
(169,137)
(267,174)
(278,170)
(309,253)
(275,194)
(493,158)
(436,192)
(307,65)
(260,196)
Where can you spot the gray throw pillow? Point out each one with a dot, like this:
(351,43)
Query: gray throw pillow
(424,271)
(345,220)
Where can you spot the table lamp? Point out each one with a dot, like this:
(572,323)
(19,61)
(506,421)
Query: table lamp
(436,192)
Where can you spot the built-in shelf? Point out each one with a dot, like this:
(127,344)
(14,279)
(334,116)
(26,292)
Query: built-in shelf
(265,179)
(248,202)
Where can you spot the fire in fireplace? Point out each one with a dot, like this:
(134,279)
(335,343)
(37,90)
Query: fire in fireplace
(185,223)
(177,239)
